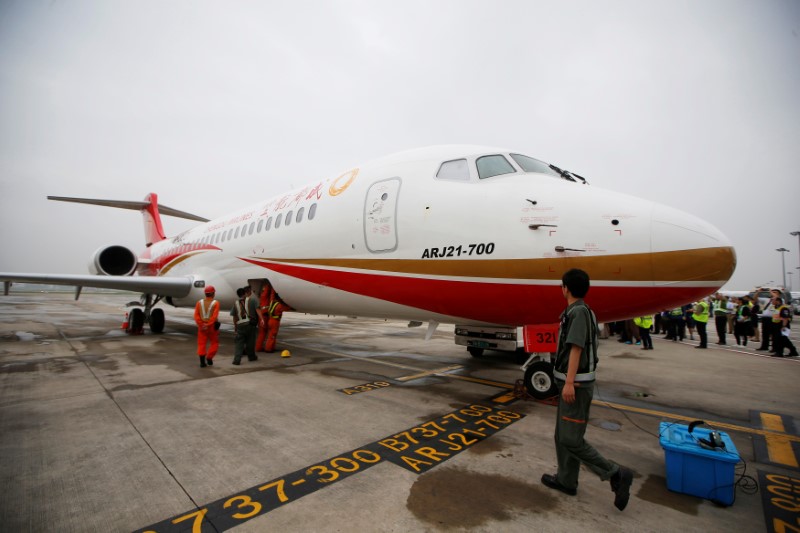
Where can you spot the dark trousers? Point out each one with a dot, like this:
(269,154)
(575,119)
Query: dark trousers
(571,448)
(647,342)
(701,332)
(766,332)
(741,330)
(781,341)
(245,341)
(721,321)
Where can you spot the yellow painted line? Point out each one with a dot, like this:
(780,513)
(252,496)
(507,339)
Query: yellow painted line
(718,425)
(772,422)
(481,381)
(429,373)
(779,448)
(505,398)
(780,451)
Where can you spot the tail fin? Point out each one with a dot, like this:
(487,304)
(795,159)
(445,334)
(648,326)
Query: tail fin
(151,212)
(153,230)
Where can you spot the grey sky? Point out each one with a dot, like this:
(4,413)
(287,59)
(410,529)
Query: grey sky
(216,105)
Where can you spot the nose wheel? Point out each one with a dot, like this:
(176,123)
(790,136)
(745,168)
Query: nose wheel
(539,380)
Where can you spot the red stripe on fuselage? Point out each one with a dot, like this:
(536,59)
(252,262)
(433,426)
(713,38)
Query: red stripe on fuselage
(497,303)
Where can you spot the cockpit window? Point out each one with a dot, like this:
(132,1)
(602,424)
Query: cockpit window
(530,164)
(454,170)
(493,165)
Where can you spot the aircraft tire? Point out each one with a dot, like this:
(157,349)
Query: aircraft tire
(135,321)
(539,380)
(475,352)
(157,320)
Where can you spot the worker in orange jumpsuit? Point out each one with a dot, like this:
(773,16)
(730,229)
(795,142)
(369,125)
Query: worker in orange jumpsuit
(206,313)
(264,301)
(274,314)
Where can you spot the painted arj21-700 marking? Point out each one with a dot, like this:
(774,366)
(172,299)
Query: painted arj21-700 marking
(447,234)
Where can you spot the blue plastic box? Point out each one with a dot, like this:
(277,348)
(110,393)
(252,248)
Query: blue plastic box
(692,469)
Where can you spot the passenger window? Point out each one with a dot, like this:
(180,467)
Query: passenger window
(278,220)
(230,233)
(312,211)
(252,226)
(260,225)
(300,215)
(222,239)
(236,235)
(493,165)
(288,218)
(454,170)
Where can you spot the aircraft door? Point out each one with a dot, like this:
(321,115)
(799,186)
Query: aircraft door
(380,215)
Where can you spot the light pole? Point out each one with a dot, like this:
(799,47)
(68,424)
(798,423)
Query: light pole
(797,234)
(783,263)
(789,287)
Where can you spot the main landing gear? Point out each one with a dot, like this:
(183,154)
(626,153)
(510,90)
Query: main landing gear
(154,317)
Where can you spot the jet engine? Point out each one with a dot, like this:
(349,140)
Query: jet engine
(113,261)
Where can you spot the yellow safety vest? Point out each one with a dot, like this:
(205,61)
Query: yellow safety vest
(701,316)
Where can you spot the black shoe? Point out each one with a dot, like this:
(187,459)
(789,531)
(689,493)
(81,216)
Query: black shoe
(621,485)
(701,347)
(235,362)
(202,361)
(210,362)
(761,349)
(551,481)
(254,358)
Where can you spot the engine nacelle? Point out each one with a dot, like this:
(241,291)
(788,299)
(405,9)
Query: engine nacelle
(113,261)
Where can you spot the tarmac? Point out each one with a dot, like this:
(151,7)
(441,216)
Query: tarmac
(365,427)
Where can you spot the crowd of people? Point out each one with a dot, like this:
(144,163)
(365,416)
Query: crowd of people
(742,317)
(256,321)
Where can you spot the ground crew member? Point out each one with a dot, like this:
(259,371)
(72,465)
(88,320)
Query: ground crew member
(782,340)
(206,312)
(574,373)
(721,317)
(701,321)
(677,324)
(275,312)
(766,324)
(264,301)
(644,323)
(252,315)
(245,331)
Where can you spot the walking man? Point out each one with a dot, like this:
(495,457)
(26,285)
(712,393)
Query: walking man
(206,312)
(574,374)
(245,328)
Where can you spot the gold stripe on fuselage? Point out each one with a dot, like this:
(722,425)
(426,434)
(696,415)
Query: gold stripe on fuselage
(673,266)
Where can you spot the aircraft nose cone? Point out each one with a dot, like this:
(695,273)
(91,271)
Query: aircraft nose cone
(694,251)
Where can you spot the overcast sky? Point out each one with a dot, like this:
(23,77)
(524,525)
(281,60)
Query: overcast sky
(217,105)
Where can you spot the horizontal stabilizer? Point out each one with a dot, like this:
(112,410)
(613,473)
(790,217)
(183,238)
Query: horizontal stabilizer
(162,286)
(134,205)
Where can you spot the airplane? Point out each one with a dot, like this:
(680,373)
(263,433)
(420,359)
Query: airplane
(445,234)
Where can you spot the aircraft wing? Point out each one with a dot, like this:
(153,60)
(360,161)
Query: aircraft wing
(162,286)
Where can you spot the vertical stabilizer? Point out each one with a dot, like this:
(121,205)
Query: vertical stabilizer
(153,230)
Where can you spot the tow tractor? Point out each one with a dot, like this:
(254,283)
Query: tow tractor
(537,342)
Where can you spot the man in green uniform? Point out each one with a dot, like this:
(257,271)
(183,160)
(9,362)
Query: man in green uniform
(574,374)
